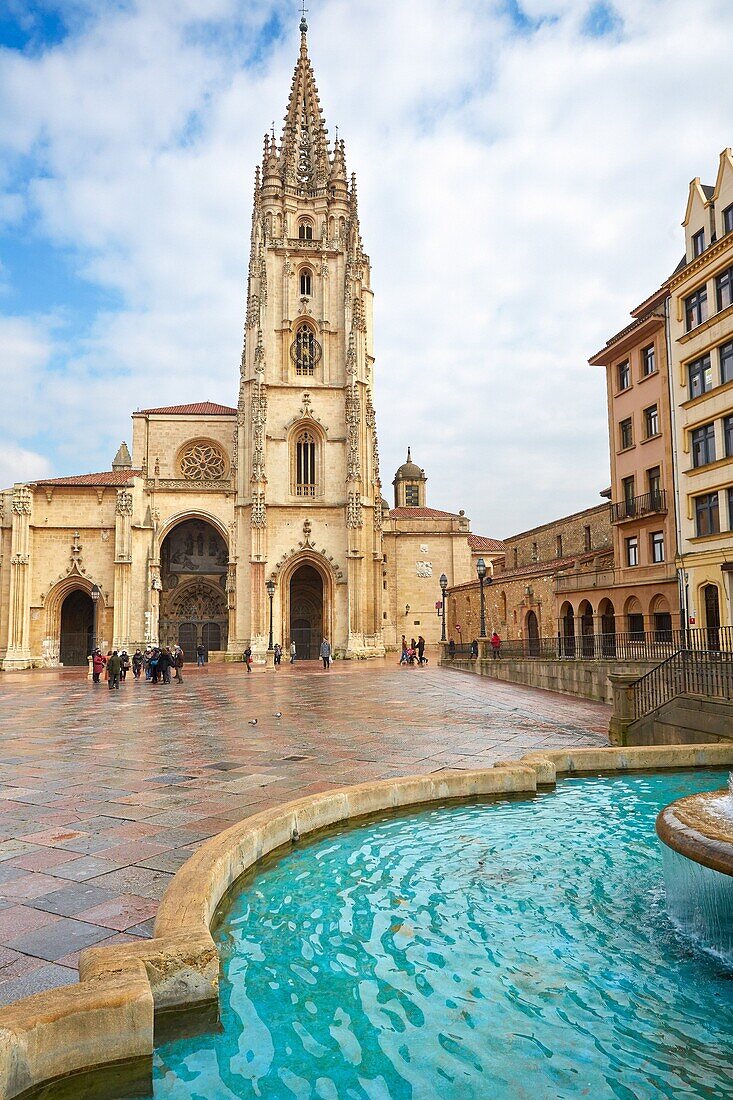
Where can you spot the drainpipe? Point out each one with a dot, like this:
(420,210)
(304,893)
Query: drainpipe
(679,556)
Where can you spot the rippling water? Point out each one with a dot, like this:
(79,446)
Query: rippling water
(504,950)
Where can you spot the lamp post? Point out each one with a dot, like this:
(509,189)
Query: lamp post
(481,570)
(270,586)
(443,587)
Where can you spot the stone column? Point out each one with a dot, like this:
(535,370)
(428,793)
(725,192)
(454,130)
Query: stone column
(123,569)
(18,653)
(623,706)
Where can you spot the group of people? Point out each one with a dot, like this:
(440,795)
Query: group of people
(155,663)
(325,653)
(414,653)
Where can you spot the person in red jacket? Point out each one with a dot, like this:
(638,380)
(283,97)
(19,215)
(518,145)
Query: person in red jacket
(98,663)
(495,645)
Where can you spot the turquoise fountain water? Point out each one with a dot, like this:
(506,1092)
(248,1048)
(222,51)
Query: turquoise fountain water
(505,950)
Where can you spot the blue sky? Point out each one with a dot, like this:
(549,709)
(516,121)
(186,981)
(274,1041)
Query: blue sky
(523,169)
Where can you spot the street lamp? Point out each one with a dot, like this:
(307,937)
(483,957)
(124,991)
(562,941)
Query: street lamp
(95,593)
(270,586)
(481,570)
(443,587)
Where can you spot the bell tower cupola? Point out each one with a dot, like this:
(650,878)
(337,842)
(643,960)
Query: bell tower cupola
(409,485)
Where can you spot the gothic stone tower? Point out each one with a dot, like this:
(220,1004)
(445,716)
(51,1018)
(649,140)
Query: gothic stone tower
(308,500)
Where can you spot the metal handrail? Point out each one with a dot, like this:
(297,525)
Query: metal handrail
(687,672)
(642,505)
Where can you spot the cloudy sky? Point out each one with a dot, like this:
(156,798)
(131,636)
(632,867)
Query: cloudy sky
(523,169)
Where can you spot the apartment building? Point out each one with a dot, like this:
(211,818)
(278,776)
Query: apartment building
(700,314)
(642,593)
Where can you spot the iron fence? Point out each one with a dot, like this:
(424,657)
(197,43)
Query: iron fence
(643,505)
(688,672)
(631,645)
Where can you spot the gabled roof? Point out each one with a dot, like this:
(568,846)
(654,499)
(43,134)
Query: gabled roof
(422,513)
(198,408)
(107,477)
(479,542)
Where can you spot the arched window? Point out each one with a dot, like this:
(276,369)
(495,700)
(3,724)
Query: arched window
(305,282)
(305,231)
(305,351)
(305,465)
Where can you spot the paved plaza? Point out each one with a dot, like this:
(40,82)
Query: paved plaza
(104,795)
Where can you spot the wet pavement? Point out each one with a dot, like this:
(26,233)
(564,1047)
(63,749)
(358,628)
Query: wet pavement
(104,795)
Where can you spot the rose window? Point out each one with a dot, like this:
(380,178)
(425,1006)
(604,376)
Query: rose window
(202,461)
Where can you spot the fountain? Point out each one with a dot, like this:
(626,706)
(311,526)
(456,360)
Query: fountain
(697,850)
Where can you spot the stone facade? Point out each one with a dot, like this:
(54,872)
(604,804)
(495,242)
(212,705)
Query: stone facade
(177,542)
(522,601)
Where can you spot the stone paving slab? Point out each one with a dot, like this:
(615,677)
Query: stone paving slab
(103,796)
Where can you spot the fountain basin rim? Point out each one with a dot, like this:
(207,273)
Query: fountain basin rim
(687,826)
(179,968)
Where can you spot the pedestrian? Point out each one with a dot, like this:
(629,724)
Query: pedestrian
(421,658)
(451,648)
(278,654)
(106,664)
(495,645)
(403,653)
(248,658)
(200,655)
(98,663)
(292,653)
(124,665)
(146,662)
(154,665)
(474,649)
(326,653)
(178,663)
(114,665)
(165,663)
(137,663)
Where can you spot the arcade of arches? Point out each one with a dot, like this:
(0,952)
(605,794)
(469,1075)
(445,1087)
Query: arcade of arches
(193,604)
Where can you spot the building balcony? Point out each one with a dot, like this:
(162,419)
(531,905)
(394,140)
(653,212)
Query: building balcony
(635,507)
(576,582)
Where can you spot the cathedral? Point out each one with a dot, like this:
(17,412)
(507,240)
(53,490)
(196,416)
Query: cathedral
(227,527)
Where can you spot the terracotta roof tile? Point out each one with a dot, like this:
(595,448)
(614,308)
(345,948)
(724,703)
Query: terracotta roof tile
(198,408)
(107,477)
(422,513)
(479,542)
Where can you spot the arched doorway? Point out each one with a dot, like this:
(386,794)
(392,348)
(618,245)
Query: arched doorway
(306,611)
(662,619)
(608,628)
(567,630)
(77,628)
(586,629)
(533,635)
(193,570)
(711,603)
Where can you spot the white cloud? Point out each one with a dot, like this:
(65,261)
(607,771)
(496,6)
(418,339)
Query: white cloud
(519,193)
(17,464)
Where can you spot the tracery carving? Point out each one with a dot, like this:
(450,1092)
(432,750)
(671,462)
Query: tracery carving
(202,460)
(354,516)
(199,602)
(259,511)
(123,506)
(353,417)
(22,501)
(259,413)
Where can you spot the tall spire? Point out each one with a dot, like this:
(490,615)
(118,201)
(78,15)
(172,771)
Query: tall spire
(304,162)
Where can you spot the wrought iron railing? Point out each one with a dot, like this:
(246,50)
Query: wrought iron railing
(688,672)
(631,645)
(643,505)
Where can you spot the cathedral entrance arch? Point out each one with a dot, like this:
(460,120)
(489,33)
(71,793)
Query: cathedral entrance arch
(77,628)
(193,570)
(306,611)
